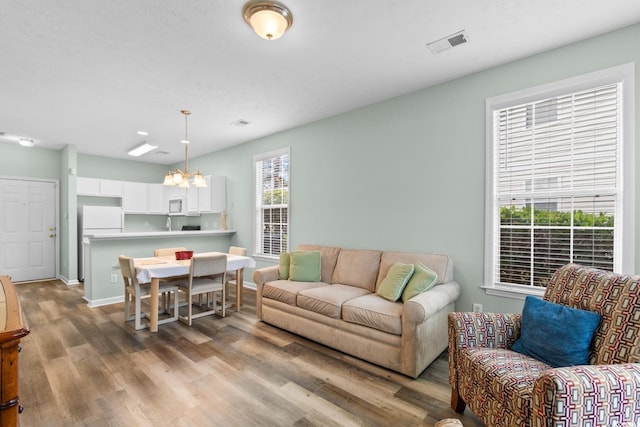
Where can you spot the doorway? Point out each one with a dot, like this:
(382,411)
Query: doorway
(28,235)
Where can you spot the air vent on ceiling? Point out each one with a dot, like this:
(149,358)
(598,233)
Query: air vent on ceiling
(240,122)
(162,152)
(448,42)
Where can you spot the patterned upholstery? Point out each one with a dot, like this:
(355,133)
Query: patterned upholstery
(504,388)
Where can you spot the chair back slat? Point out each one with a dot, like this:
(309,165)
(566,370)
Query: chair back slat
(127,269)
(168,251)
(236,250)
(208,265)
(615,296)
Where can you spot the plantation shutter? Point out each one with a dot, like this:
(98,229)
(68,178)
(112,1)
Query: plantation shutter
(557,184)
(272,203)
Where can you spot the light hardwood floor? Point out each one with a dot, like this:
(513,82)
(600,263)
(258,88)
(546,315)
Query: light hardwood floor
(84,366)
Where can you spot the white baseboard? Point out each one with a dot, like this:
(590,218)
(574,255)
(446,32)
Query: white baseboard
(104,301)
(69,282)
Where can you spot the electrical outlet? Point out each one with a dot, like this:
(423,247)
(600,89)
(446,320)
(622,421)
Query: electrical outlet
(477,307)
(114,278)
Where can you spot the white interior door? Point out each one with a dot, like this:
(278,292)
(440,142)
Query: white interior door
(27,229)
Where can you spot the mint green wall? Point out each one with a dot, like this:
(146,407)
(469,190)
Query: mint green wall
(34,162)
(68,220)
(408,174)
(124,170)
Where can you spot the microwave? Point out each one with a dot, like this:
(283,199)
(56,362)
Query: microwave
(178,206)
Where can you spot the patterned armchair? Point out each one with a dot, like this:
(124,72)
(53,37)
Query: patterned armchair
(505,388)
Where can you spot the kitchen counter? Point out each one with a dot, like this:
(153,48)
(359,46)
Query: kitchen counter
(103,279)
(158,234)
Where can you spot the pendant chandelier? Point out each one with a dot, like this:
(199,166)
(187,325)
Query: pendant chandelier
(181,178)
(268,18)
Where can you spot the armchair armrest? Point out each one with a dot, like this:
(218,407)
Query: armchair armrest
(601,394)
(264,275)
(491,330)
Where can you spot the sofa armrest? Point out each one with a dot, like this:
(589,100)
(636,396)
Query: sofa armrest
(492,330)
(421,307)
(589,393)
(264,275)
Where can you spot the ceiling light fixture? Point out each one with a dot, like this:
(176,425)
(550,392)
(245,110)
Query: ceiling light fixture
(269,19)
(142,132)
(26,142)
(141,149)
(178,177)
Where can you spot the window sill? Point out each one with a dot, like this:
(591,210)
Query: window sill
(266,258)
(514,292)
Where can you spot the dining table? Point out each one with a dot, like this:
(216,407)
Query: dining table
(153,269)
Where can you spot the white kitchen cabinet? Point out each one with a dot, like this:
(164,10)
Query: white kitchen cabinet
(192,201)
(214,197)
(86,186)
(157,204)
(111,188)
(135,199)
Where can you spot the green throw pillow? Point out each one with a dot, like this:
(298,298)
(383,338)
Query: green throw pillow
(283,266)
(422,280)
(304,266)
(393,284)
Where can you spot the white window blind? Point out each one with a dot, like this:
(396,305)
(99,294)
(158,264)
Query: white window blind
(272,203)
(556,184)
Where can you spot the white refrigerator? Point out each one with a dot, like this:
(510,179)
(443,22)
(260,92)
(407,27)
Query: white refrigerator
(97,220)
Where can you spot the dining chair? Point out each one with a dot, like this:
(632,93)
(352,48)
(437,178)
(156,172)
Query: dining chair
(207,274)
(134,291)
(235,250)
(167,251)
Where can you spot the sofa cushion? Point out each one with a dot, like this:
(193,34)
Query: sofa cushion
(422,280)
(304,266)
(375,312)
(328,300)
(556,334)
(329,257)
(286,291)
(397,278)
(357,268)
(283,265)
(442,265)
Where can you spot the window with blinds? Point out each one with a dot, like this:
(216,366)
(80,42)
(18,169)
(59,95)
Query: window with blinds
(272,203)
(556,194)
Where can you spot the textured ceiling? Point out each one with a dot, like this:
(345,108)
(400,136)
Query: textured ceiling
(93,72)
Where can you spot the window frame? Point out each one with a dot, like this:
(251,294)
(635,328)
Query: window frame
(625,233)
(257,203)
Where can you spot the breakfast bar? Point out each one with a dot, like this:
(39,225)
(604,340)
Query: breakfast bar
(103,280)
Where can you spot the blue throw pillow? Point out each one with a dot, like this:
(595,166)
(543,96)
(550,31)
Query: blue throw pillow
(556,334)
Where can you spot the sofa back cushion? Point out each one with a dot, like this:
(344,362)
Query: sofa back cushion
(357,268)
(615,297)
(442,265)
(328,258)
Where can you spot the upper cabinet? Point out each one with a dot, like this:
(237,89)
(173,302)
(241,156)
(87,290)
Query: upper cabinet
(158,204)
(99,187)
(146,198)
(135,198)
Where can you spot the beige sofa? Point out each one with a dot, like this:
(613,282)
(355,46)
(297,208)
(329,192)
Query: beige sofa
(343,311)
